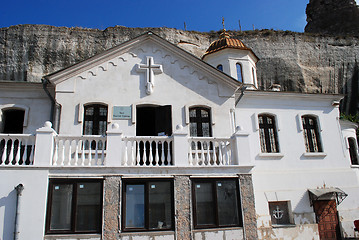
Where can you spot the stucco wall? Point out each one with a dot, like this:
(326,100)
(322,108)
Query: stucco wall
(180,85)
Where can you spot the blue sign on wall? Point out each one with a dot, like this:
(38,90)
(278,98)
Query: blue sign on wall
(121,113)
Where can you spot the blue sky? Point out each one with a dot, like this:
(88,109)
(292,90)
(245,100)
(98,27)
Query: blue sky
(200,15)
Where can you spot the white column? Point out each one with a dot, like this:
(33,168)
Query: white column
(180,147)
(114,150)
(241,148)
(44,145)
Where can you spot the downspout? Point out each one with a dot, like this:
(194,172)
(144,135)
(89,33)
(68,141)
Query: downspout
(55,107)
(240,96)
(18,189)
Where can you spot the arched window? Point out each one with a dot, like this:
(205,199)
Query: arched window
(220,67)
(268,133)
(353,151)
(311,134)
(253,75)
(13,120)
(200,122)
(239,72)
(95,119)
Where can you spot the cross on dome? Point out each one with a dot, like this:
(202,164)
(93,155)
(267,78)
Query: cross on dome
(150,68)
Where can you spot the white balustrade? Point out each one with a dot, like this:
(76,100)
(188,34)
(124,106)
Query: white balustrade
(147,151)
(208,151)
(79,151)
(17,149)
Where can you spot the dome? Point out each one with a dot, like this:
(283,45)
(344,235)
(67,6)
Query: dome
(225,41)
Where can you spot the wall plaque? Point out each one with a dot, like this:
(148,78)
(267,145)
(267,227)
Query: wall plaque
(121,113)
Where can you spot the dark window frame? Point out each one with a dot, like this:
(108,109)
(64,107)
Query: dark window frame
(353,151)
(309,140)
(198,120)
(95,118)
(267,127)
(74,182)
(213,181)
(146,182)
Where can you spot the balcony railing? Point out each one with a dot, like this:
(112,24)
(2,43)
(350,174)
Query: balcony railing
(209,151)
(147,151)
(17,149)
(79,151)
(116,150)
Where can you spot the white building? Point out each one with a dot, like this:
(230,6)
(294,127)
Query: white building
(150,142)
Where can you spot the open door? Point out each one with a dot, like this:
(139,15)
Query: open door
(154,121)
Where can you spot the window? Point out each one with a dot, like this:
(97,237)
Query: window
(200,122)
(220,67)
(311,134)
(95,120)
(148,205)
(239,72)
(268,134)
(279,212)
(253,75)
(13,121)
(353,151)
(216,203)
(74,206)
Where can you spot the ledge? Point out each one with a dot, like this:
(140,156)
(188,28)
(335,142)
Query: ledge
(284,225)
(315,154)
(73,236)
(271,155)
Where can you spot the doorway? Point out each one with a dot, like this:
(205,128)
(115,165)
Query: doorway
(13,121)
(154,121)
(327,219)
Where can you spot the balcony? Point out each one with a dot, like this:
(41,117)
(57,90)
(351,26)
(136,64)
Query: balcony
(48,149)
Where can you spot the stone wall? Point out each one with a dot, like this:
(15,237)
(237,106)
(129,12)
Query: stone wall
(299,62)
(338,17)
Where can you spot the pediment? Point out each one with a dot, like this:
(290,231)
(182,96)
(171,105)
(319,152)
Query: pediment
(135,53)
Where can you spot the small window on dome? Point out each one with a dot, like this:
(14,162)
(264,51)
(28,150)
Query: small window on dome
(220,67)
(239,72)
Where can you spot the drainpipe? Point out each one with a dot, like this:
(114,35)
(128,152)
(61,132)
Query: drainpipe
(55,107)
(18,189)
(240,96)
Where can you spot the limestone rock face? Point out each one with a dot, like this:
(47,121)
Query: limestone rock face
(297,61)
(338,17)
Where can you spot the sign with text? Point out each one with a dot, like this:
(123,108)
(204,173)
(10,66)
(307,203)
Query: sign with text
(121,113)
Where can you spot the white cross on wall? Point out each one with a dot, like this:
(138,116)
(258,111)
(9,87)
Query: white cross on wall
(150,68)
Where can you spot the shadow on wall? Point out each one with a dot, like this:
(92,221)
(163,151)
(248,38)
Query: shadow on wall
(8,208)
(303,212)
(349,105)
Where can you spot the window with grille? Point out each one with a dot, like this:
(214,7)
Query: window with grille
(268,133)
(95,120)
(311,134)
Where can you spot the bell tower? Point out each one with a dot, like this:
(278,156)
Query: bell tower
(233,58)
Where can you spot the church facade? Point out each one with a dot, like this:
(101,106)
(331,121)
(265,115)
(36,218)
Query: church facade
(146,141)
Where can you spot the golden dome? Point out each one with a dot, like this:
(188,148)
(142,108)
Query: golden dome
(223,42)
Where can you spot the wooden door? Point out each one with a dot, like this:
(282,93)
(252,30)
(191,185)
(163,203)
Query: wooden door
(327,219)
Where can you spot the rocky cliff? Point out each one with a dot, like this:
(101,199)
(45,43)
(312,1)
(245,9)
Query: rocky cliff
(336,17)
(298,61)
